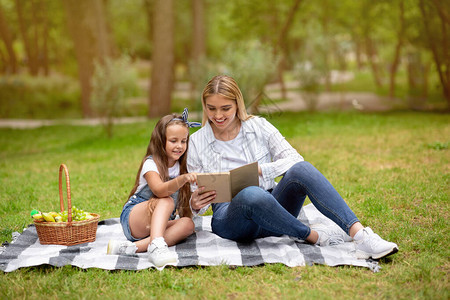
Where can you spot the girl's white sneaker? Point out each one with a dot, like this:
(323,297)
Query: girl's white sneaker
(121,247)
(159,253)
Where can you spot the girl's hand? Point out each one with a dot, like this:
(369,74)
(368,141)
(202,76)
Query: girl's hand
(200,199)
(190,177)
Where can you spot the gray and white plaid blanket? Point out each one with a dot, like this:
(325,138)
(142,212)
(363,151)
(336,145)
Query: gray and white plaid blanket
(203,248)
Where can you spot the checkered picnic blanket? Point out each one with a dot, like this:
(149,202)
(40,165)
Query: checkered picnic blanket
(203,248)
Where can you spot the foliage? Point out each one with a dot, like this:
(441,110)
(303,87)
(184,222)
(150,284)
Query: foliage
(113,82)
(127,28)
(51,97)
(340,32)
(386,166)
(252,64)
(200,71)
(310,79)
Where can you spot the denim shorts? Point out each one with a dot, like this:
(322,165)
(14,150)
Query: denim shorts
(125,216)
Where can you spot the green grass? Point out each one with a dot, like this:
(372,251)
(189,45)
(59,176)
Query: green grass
(363,81)
(393,170)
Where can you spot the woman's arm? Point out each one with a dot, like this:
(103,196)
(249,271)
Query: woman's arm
(199,201)
(283,155)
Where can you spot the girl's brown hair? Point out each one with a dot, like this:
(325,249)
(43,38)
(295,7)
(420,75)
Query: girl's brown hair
(227,87)
(157,149)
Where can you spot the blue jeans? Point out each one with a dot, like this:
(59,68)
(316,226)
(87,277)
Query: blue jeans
(256,213)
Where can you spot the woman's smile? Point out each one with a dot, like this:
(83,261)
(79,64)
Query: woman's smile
(221,113)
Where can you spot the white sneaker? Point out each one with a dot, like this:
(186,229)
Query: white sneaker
(159,253)
(330,235)
(121,247)
(373,246)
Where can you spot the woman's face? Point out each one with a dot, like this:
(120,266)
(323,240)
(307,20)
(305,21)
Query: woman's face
(221,112)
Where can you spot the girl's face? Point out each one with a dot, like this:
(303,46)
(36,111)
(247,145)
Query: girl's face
(221,112)
(176,142)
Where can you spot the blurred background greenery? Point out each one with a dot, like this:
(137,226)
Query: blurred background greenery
(109,58)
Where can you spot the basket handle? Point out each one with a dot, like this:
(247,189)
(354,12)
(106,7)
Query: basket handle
(61,198)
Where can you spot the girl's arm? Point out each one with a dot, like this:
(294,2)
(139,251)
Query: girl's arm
(164,189)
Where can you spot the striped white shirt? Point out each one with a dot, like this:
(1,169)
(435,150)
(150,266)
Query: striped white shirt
(262,142)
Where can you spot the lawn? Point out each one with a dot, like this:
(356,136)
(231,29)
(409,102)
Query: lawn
(392,168)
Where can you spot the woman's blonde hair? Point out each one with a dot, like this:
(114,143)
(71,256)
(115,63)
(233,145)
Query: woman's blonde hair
(227,87)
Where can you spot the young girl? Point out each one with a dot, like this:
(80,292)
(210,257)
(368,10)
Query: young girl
(161,189)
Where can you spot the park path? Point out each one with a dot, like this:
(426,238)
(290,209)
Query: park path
(296,101)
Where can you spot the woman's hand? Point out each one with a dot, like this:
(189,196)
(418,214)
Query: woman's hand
(200,199)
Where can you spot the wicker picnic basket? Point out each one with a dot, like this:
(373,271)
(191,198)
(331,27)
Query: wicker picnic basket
(70,232)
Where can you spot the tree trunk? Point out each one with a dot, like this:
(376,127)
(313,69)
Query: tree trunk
(282,45)
(113,49)
(44,34)
(371,55)
(198,49)
(435,39)
(358,49)
(35,36)
(325,52)
(87,27)
(199,32)
(29,44)
(148,6)
(5,34)
(398,47)
(3,62)
(162,59)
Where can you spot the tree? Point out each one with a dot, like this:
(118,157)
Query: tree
(198,50)
(368,21)
(282,45)
(6,36)
(34,30)
(435,17)
(113,81)
(398,47)
(162,76)
(325,21)
(87,26)
(199,33)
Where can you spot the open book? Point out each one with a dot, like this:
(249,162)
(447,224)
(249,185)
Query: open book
(228,184)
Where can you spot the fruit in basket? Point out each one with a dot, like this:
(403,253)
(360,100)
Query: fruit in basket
(38,217)
(64,215)
(77,215)
(35,214)
(48,217)
(80,215)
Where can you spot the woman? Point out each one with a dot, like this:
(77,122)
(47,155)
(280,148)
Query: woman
(231,138)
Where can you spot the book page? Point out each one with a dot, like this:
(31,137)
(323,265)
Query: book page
(243,177)
(219,182)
